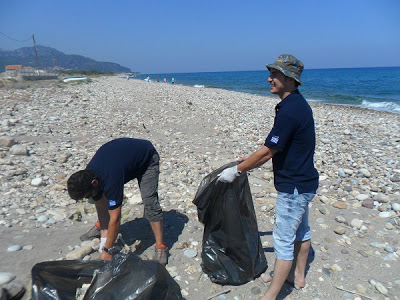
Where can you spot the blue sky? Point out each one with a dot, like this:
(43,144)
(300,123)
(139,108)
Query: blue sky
(218,35)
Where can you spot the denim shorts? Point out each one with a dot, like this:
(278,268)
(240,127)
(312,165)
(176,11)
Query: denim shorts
(148,185)
(291,222)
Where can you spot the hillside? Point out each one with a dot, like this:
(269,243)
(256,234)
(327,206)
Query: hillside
(49,57)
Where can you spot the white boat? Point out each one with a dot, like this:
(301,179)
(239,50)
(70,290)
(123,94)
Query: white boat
(74,79)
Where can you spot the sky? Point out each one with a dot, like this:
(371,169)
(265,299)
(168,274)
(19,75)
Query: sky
(207,36)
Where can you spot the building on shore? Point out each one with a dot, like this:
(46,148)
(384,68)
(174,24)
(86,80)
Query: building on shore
(20,72)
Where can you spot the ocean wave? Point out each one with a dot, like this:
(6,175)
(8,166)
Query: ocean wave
(199,85)
(385,106)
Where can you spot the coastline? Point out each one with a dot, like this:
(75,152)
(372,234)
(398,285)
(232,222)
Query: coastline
(345,86)
(195,131)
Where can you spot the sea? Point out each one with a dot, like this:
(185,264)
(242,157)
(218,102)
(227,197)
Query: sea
(373,88)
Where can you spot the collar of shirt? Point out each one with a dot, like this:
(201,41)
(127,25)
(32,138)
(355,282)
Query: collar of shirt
(286,100)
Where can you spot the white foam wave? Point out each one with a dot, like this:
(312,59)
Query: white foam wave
(198,85)
(386,106)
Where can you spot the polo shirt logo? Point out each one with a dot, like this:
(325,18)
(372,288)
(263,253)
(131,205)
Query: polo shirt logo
(112,202)
(274,139)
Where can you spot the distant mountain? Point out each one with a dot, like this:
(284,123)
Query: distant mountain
(49,57)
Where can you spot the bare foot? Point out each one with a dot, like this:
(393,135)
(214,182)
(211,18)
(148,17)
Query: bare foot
(298,283)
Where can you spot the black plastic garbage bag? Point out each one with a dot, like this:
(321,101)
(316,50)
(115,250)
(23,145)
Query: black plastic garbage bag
(232,252)
(125,277)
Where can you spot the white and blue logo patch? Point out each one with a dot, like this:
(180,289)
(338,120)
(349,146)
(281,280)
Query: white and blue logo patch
(111,202)
(275,139)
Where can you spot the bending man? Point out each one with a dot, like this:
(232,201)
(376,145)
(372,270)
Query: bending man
(114,164)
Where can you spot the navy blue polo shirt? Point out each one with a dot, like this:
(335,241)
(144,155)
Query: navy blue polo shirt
(119,161)
(293,137)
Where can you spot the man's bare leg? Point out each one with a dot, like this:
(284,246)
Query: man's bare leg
(281,272)
(157,228)
(301,250)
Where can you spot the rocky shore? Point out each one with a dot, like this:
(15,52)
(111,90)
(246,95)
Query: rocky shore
(52,129)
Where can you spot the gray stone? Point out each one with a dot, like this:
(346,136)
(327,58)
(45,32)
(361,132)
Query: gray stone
(36,181)
(42,218)
(381,289)
(356,223)
(190,253)
(365,172)
(340,230)
(362,197)
(79,253)
(7,141)
(14,248)
(6,277)
(368,203)
(395,178)
(340,219)
(18,150)
(396,207)
(255,290)
(381,198)
(385,214)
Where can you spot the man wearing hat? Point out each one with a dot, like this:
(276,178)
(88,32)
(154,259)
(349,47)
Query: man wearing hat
(291,145)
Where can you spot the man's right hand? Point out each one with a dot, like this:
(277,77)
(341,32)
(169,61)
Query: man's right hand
(228,175)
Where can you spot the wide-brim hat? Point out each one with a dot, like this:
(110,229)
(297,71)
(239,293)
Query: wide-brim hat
(289,65)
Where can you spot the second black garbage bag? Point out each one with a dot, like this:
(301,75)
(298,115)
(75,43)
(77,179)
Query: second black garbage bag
(232,252)
(125,277)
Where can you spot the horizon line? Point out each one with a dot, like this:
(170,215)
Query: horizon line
(191,72)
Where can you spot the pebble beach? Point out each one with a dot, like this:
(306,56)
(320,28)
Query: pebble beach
(51,129)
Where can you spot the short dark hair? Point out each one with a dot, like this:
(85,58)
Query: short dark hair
(79,184)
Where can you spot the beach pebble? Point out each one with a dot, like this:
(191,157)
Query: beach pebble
(336,268)
(385,214)
(79,253)
(395,178)
(21,211)
(36,181)
(190,253)
(255,290)
(6,141)
(18,150)
(356,223)
(339,204)
(361,289)
(324,199)
(396,207)
(340,230)
(340,219)
(6,277)
(389,226)
(14,248)
(362,197)
(42,218)
(381,289)
(368,203)
(135,200)
(381,198)
(365,172)
(388,249)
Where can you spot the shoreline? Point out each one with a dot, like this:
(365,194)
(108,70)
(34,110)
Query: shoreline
(322,85)
(58,127)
